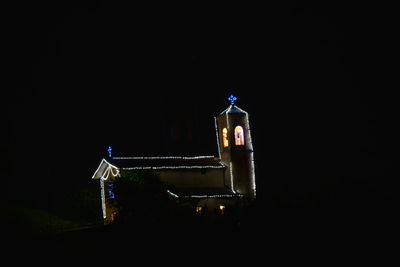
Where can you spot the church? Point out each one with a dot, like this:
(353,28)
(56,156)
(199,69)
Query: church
(214,182)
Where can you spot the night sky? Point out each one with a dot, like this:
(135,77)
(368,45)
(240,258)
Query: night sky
(148,80)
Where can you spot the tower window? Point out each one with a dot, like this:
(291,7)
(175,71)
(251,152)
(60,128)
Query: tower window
(239,136)
(225,137)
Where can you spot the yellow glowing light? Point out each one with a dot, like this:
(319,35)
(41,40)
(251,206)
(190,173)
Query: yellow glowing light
(198,210)
(225,137)
(222,208)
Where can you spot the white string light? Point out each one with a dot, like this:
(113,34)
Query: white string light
(110,168)
(172,194)
(217,134)
(230,161)
(109,171)
(231,174)
(252,178)
(110,164)
(228,110)
(169,157)
(174,167)
(93,177)
(106,170)
(252,168)
(106,173)
(212,196)
(103,198)
(207,196)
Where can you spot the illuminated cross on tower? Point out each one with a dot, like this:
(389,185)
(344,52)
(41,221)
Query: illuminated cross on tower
(109,151)
(232,99)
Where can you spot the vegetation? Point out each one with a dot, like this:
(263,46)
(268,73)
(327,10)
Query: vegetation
(82,204)
(24,222)
(142,197)
(45,213)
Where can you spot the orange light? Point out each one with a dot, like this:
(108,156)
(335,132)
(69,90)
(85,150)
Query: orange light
(198,210)
(225,137)
(222,208)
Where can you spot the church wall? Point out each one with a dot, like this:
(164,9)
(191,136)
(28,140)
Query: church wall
(242,172)
(180,178)
(193,177)
(111,211)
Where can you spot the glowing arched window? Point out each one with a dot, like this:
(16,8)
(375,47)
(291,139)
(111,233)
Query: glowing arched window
(225,137)
(239,136)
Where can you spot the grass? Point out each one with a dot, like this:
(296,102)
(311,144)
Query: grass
(20,221)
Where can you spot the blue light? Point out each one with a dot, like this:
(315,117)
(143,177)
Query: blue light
(110,191)
(109,151)
(232,99)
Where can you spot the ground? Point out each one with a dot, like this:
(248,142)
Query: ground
(266,233)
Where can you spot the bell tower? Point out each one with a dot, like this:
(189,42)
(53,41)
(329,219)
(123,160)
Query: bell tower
(236,150)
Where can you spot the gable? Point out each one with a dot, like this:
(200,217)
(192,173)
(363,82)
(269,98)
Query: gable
(105,170)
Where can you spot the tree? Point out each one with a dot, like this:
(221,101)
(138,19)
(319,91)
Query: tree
(142,198)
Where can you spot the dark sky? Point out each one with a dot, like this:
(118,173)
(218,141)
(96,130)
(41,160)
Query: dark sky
(148,80)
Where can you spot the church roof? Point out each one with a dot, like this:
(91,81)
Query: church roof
(233,109)
(114,165)
(127,163)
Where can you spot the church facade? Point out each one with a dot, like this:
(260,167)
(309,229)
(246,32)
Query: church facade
(214,182)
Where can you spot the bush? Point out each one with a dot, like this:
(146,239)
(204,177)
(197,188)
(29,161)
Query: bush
(142,196)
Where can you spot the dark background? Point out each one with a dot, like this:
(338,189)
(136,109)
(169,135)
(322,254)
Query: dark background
(315,78)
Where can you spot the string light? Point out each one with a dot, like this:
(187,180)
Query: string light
(232,99)
(103,198)
(231,174)
(106,170)
(252,178)
(235,195)
(110,191)
(169,157)
(109,170)
(213,196)
(230,162)
(216,132)
(233,108)
(172,194)
(221,166)
(98,168)
(252,168)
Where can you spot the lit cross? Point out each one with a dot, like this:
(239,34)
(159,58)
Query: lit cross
(109,151)
(232,99)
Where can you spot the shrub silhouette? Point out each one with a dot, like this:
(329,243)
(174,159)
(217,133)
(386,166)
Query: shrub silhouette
(141,197)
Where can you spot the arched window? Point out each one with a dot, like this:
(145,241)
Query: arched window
(239,136)
(225,137)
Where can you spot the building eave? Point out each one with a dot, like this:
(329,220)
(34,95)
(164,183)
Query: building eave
(205,194)
(233,109)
